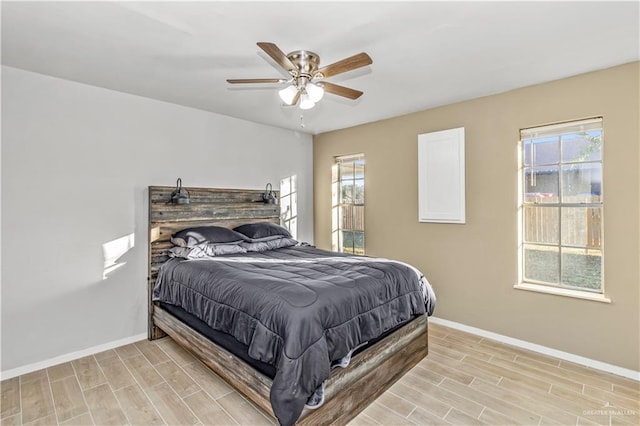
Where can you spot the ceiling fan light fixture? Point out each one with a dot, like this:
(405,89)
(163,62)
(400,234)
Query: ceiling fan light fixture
(306,102)
(288,94)
(304,71)
(315,92)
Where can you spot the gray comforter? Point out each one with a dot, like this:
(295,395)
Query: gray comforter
(297,308)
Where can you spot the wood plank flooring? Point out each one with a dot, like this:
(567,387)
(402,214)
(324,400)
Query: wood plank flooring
(465,380)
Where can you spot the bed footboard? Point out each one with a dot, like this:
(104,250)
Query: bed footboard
(347,392)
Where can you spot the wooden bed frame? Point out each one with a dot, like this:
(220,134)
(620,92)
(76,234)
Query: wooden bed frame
(370,372)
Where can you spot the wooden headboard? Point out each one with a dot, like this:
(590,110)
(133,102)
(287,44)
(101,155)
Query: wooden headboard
(208,206)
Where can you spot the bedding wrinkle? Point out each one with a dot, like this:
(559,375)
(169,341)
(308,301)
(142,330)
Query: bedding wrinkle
(274,286)
(296,308)
(211,310)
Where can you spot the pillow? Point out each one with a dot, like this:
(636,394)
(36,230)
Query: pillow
(279,242)
(203,251)
(192,237)
(262,231)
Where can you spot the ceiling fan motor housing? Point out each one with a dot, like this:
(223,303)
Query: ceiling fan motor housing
(307,63)
(306,75)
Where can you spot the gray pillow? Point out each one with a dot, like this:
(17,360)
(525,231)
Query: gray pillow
(262,231)
(269,244)
(192,237)
(203,251)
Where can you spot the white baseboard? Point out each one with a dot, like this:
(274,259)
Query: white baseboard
(587,362)
(19,371)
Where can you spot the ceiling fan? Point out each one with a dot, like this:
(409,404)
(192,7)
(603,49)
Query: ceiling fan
(307,83)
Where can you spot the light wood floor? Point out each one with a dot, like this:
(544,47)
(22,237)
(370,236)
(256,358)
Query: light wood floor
(465,380)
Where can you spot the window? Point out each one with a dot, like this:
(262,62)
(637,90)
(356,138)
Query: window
(289,204)
(348,204)
(561,209)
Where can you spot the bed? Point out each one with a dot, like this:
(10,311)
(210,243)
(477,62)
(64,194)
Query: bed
(278,318)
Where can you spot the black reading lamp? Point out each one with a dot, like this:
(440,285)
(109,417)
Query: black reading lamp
(269,196)
(180,195)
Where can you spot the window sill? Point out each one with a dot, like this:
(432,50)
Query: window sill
(563,292)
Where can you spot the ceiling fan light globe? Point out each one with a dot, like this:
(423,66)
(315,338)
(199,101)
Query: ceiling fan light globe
(288,94)
(315,92)
(306,102)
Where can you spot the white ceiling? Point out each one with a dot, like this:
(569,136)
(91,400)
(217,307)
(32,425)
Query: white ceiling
(425,54)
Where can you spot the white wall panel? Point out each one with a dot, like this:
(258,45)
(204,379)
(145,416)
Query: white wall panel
(441,176)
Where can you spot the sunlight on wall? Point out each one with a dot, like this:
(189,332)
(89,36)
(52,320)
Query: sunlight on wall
(113,250)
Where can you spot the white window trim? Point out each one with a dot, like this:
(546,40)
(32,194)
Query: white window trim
(336,204)
(293,194)
(577,294)
(542,288)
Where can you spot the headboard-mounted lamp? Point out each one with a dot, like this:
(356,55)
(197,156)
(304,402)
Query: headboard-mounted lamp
(269,196)
(180,195)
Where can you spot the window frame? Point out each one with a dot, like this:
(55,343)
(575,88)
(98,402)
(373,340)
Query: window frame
(557,130)
(337,204)
(289,218)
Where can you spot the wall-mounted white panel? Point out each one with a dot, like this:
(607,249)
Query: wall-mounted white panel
(441,192)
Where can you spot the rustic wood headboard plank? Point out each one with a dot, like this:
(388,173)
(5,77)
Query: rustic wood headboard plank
(208,195)
(208,206)
(177,213)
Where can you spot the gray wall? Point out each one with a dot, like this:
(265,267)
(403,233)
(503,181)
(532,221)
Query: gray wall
(76,163)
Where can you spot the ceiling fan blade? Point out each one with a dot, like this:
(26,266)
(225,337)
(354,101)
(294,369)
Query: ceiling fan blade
(277,55)
(341,90)
(256,80)
(351,63)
